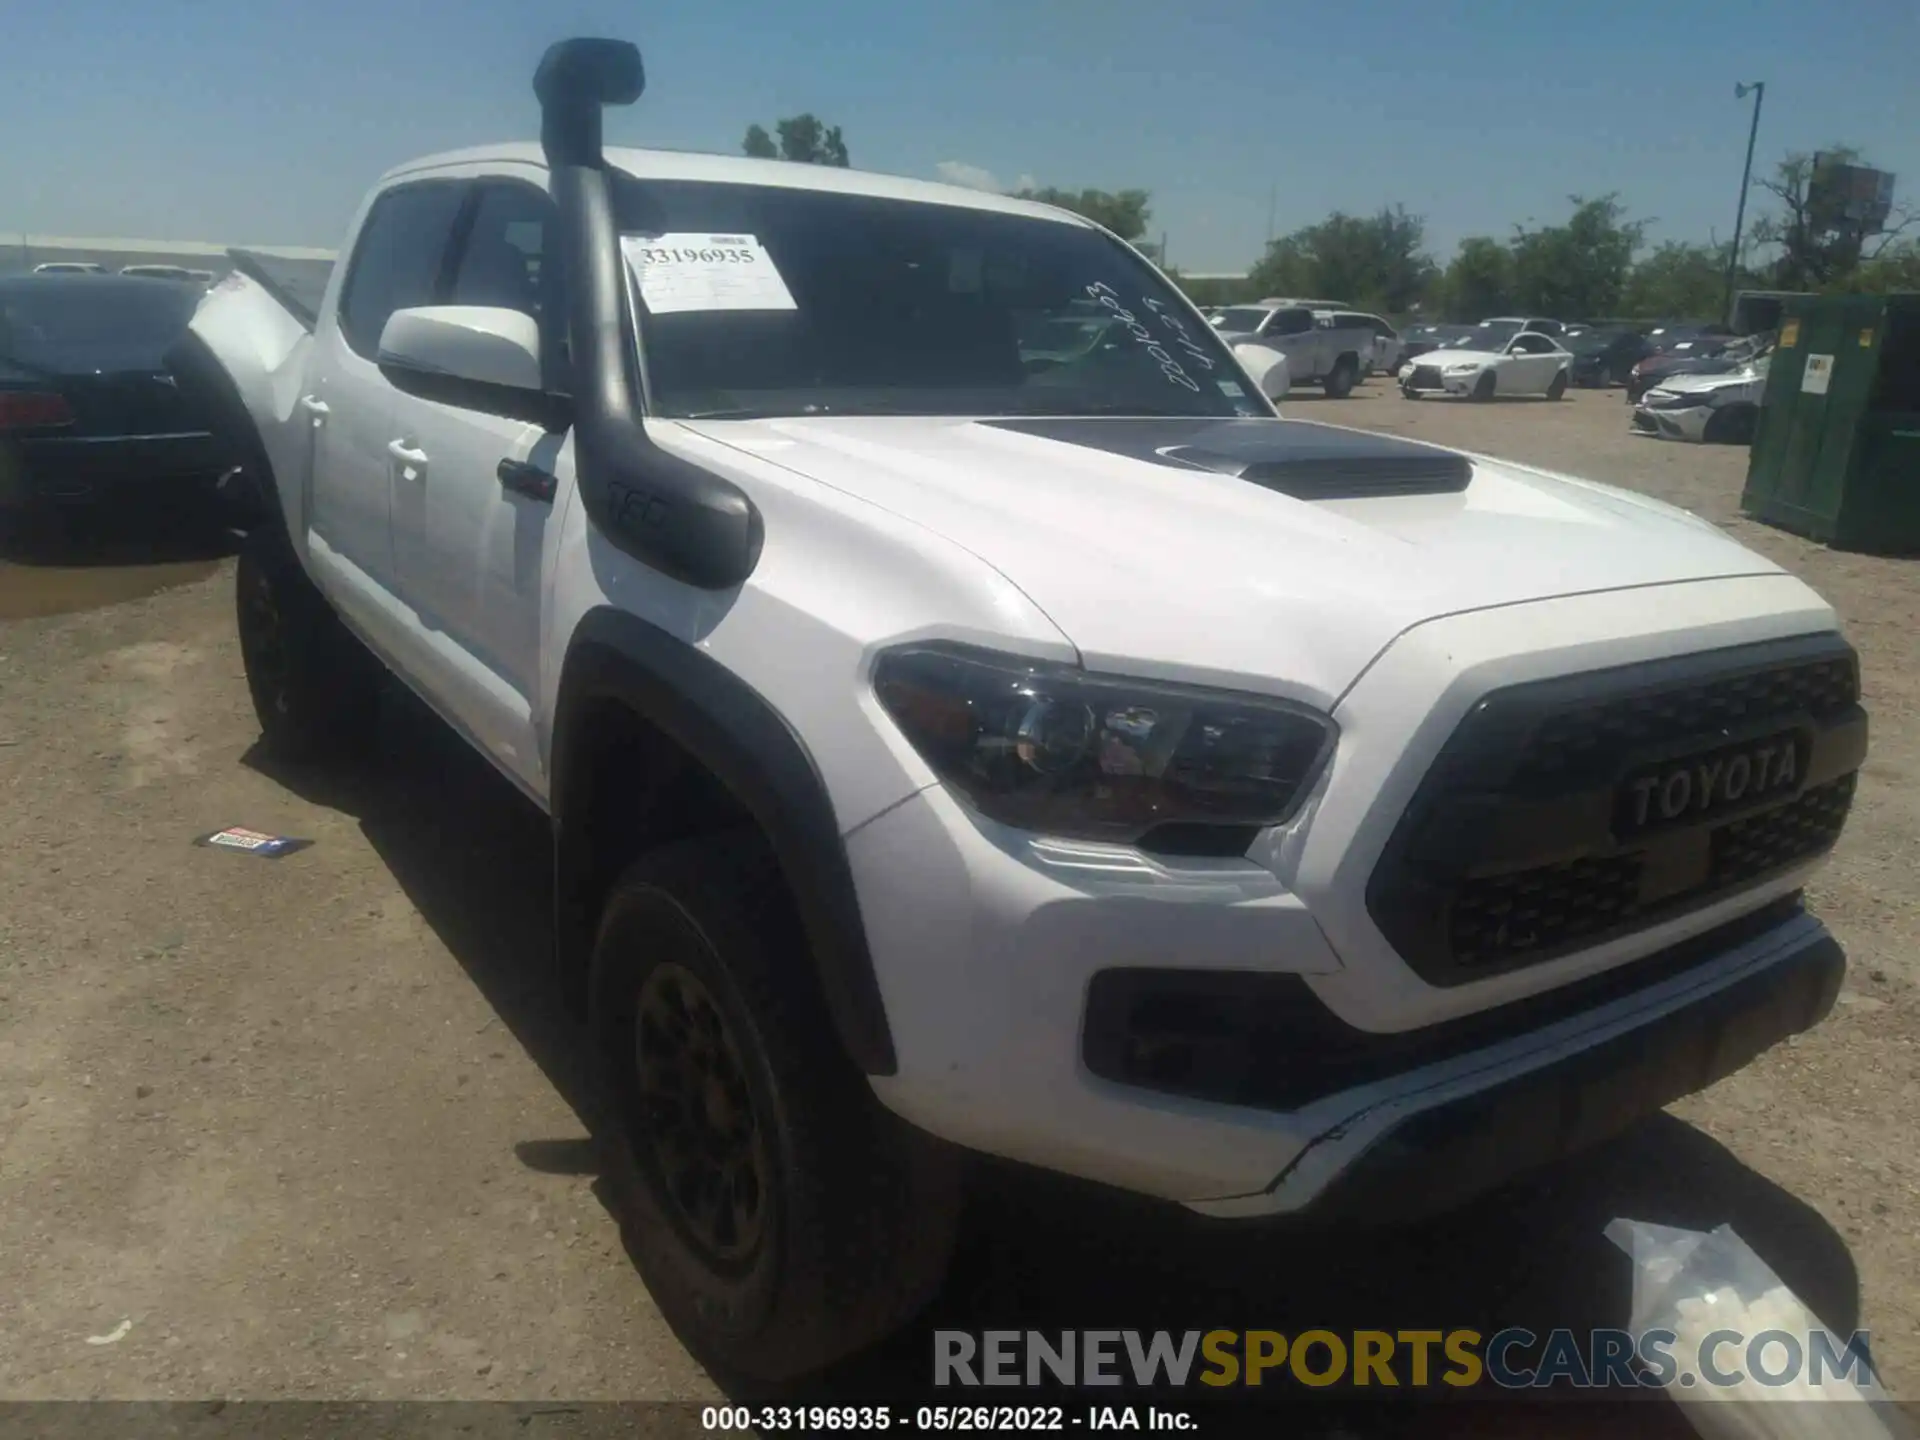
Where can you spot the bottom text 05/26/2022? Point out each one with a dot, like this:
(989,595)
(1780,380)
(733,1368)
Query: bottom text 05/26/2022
(921,1419)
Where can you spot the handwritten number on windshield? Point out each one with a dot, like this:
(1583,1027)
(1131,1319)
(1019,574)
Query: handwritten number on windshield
(1181,338)
(1169,367)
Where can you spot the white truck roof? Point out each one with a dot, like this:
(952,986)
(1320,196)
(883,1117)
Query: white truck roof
(740,170)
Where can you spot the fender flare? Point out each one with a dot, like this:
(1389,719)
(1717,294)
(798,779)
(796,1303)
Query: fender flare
(727,727)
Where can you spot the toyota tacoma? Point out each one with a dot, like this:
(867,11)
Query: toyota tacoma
(958,748)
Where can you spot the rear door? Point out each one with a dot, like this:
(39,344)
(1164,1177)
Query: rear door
(1291,332)
(397,260)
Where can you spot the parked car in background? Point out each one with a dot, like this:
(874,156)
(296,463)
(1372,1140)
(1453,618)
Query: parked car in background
(1385,355)
(1715,409)
(1700,355)
(1419,339)
(70,267)
(1320,347)
(1605,355)
(87,404)
(164,272)
(1524,363)
(1538,324)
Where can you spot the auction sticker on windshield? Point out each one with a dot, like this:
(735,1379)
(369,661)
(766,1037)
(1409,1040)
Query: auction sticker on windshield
(682,272)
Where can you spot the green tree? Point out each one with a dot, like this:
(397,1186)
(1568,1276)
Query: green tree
(804,138)
(1479,280)
(1376,260)
(1678,280)
(1817,251)
(1577,270)
(1124,212)
(1893,267)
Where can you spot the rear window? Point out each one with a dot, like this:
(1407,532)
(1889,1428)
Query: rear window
(36,319)
(1241,317)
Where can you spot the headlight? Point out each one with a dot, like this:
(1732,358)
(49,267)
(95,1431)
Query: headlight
(1053,749)
(1464,368)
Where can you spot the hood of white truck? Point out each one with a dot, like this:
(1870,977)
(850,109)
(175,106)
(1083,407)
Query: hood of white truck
(1154,567)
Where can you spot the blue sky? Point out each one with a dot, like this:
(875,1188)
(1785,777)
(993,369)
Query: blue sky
(256,121)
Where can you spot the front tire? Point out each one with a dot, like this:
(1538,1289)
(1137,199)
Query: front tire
(780,1215)
(1483,388)
(315,687)
(1559,386)
(1339,382)
(1732,426)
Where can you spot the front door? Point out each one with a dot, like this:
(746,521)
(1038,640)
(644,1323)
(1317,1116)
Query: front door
(470,538)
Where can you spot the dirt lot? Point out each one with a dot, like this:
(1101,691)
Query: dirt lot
(310,1126)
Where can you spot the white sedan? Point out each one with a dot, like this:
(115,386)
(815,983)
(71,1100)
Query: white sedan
(1525,364)
(1710,409)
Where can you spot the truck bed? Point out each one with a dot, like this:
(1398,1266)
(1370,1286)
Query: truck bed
(296,285)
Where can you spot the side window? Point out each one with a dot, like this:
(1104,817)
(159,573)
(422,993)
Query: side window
(396,263)
(503,262)
(1290,322)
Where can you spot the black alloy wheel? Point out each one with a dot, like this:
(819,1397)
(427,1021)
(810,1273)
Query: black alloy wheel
(704,1142)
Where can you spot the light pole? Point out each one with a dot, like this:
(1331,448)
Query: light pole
(1759,91)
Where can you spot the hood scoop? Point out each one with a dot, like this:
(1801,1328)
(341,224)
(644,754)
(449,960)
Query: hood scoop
(1297,458)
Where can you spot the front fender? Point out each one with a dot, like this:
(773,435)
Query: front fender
(739,738)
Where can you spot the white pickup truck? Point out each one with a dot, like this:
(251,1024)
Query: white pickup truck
(1325,345)
(953,747)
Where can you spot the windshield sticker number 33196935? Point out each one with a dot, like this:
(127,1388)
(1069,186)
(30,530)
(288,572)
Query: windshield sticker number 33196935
(682,272)
(1170,365)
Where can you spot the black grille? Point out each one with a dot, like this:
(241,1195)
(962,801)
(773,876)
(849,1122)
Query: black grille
(1743,849)
(1512,853)
(1574,741)
(1424,377)
(1544,908)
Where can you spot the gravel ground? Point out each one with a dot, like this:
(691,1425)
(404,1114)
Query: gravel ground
(309,1127)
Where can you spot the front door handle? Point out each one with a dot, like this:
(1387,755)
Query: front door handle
(529,480)
(406,455)
(316,407)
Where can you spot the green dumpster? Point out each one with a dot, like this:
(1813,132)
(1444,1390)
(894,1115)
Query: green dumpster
(1837,454)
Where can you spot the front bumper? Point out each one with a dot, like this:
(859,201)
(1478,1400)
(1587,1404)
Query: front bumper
(83,468)
(1430,1152)
(990,946)
(1687,424)
(1431,380)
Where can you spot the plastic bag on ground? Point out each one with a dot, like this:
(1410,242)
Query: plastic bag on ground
(1693,1284)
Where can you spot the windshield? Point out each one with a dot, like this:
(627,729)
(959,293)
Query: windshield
(38,319)
(1482,337)
(766,300)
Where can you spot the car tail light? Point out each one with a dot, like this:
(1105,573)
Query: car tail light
(33,410)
